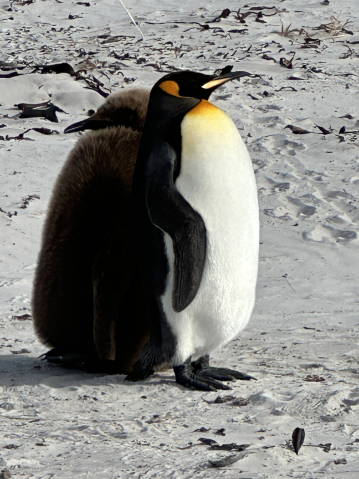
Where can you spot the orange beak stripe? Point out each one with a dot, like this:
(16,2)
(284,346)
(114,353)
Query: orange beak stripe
(214,83)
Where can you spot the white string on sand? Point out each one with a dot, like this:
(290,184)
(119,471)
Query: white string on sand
(138,28)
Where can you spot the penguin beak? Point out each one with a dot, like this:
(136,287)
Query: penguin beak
(88,124)
(224,78)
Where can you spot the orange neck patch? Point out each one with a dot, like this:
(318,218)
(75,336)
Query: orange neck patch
(204,107)
(170,87)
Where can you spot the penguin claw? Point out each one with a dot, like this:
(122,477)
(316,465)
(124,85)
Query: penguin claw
(202,369)
(84,362)
(188,378)
(65,359)
(224,374)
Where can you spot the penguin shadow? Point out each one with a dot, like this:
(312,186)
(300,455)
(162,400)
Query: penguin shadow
(21,370)
(26,370)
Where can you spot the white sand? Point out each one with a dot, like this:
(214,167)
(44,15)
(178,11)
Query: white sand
(67,424)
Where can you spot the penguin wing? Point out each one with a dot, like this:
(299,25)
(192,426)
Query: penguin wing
(170,212)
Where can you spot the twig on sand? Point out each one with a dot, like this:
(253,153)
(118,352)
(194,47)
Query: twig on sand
(335,27)
(286,31)
(138,28)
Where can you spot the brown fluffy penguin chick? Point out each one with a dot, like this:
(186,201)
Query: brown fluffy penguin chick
(87,297)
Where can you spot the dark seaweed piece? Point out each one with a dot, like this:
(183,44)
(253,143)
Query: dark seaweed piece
(260,8)
(298,439)
(205,440)
(23,317)
(225,13)
(286,63)
(238,30)
(48,113)
(224,70)
(19,137)
(56,68)
(202,429)
(242,16)
(323,130)
(342,130)
(222,399)
(229,447)
(267,57)
(259,18)
(297,130)
(45,131)
(310,40)
(287,88)
(314,378)
(94,84)
(33,105)
(27,200)
(326,447)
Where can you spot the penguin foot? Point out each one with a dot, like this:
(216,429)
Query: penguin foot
(85,362)
(66,359)
(139,372)
(202,369)
(186,376)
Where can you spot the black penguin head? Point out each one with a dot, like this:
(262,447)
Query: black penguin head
(195,85)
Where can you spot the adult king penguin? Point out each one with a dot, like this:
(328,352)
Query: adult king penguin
(196,227)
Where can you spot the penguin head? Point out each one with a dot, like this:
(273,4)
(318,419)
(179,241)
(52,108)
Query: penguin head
(190,84)
(127,108)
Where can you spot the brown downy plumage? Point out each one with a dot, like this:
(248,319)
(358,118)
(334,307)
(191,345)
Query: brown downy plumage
(87,296)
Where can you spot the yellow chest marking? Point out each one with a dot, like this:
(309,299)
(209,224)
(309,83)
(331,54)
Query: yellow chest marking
(205,109)
(206,120)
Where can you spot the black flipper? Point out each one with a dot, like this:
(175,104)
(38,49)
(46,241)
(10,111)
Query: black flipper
(170,212)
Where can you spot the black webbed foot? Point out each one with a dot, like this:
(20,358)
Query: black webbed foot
(139,372)
(145,366)
(73,360)
(186,376)
(202,369)
(67,359)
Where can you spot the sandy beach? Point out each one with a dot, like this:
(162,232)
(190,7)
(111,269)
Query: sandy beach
(300,122)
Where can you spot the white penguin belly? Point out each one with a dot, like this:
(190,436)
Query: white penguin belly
(217,180)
